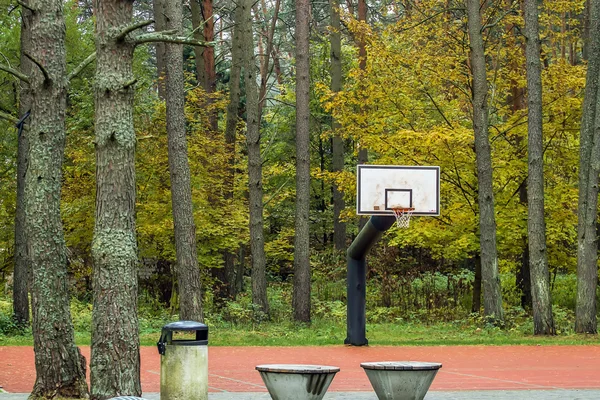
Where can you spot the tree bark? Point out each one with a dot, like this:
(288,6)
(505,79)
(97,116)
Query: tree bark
(21,268)
(230,135)
(476,304)
(159,26)
(543,322)
(363,153)
(60,367)
(585,309)
(492,296)
(257,239)
(197,22)
(115,361)
(339,227)
(188,271)
(202,17)
(302,274)
(586,30)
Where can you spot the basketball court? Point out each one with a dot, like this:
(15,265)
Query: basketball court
(465,368)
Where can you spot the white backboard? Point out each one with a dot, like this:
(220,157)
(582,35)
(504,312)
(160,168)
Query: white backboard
(383,187)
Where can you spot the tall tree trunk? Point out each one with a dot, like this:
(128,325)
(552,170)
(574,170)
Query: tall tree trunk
(197,21)
(60,367)
(363,154)
(587,270)
(21,265)
(476,305)
(543,322)
(202,17)
(160,24)
(188,271)
(517,101)
(586,29)
(264,75)
(492,296)
(257,239)
(115,362)
(302,274)
(230,136)
(339,227)
(209,57)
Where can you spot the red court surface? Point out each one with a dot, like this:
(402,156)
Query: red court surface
(231,369)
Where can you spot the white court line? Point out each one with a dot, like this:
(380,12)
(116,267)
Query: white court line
(503,380)
(238,381)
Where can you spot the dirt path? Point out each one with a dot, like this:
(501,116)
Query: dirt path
(231,369)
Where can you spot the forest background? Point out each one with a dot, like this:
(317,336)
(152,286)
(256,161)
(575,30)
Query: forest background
(406,99)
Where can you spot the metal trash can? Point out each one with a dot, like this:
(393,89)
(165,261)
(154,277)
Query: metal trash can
(184,362)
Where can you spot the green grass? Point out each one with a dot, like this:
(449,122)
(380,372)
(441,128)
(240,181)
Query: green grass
(321,333)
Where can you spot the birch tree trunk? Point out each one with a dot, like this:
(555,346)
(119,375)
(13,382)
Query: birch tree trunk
(302,274)
(339,227)
(543,322)
(115,361)
(257,239)
(587,256)
(188,271)
(492,296)
(21,268)
(60,367)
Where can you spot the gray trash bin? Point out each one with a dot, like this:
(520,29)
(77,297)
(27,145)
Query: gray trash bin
(184,363)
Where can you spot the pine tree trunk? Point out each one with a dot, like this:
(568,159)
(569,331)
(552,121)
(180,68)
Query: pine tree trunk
(60,367)
(21,268)
(115,362)
(302,274)
(363,154)
(230,136)
(257,239)
(492,296)
(586,30)
(339,227)
(160,25)
(197,21)
(543,322)
(188,271)
(587,275)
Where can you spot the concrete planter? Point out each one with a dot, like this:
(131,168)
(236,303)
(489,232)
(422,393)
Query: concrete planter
(402,380)
(297,382)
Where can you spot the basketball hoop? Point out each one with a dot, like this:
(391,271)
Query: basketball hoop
(403,216)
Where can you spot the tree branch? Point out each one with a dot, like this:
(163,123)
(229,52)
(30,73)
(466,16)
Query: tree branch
(9,117)
(81,66)
(22,4)
(132,28)
(129,84)
(164,36)
(40,66)
(14,72)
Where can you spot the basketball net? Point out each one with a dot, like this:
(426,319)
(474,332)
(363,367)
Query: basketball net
(403,216)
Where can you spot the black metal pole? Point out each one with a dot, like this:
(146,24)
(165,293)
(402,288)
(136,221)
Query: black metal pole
(357,277)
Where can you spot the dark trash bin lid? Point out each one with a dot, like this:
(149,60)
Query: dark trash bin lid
(166,336)
(185,326)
